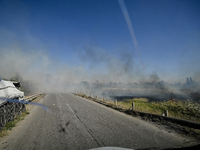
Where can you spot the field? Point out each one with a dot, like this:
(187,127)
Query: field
(181,109)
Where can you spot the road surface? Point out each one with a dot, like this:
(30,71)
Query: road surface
(76,123)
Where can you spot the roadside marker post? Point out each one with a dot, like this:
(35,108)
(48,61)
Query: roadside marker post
(166,113)
(115,102)
(133,105)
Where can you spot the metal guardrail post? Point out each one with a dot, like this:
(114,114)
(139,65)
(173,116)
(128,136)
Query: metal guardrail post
(103,98)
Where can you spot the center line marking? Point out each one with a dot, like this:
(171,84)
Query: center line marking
(70,108)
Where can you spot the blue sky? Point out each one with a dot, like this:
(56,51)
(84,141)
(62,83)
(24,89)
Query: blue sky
(167,32)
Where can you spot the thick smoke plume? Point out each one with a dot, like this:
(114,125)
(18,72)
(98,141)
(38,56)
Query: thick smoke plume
(99,74)
(36,71)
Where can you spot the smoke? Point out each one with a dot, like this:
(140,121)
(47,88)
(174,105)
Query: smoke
(35,69)
(37,72)
(105,67)
(99,73)
(16,63)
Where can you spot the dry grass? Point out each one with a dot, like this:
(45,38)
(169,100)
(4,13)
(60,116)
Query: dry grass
(181,109)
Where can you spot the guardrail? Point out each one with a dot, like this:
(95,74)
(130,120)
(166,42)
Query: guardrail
(32,97)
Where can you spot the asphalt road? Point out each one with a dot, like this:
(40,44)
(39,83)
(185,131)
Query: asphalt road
(76,123)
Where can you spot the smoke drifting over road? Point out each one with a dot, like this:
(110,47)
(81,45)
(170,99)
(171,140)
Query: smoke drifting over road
(38,72)
(100,72)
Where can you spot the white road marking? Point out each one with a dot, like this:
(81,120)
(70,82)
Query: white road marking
(60,95)
(70,108)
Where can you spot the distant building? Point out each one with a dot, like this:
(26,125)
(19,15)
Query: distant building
(189,82)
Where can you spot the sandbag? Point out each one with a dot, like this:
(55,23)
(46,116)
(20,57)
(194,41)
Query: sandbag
(9,91)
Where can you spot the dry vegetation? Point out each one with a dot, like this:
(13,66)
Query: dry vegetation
(181,109)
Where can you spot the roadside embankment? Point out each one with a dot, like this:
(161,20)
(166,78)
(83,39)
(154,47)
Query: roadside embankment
(9,125)
(179,125)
